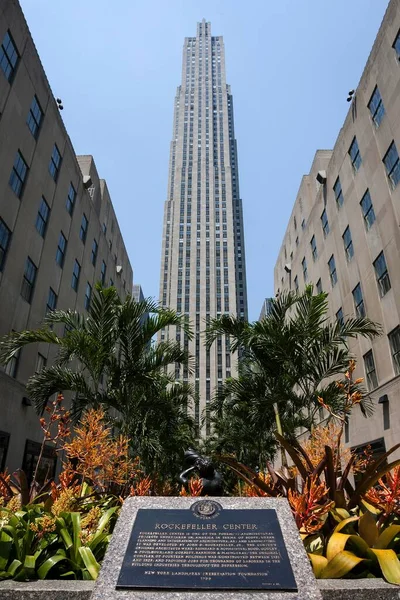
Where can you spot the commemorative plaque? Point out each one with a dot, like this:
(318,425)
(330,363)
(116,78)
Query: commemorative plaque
(206,547)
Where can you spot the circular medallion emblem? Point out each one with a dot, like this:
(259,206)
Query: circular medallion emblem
(206,509)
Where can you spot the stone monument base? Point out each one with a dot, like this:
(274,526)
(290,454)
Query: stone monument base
(109,578)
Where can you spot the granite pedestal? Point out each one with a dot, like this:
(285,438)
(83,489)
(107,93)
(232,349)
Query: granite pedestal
(105,587)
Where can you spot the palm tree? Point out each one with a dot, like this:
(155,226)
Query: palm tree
(288,359)
(108,358)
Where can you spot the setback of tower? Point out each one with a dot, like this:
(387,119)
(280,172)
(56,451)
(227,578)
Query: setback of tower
(203,272)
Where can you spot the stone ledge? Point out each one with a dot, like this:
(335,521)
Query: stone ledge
(331,589)
(46,590)
(358,589)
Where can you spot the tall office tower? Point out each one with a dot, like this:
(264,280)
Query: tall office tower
(203,261)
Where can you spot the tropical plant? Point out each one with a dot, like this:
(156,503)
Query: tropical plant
(288,360)
(36,543)
(107,358)
(349,529)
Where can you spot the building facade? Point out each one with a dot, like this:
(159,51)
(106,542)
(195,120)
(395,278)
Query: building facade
(203,271)
(343,235)
(58,231)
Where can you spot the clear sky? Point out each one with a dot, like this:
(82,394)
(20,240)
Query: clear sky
(116,65)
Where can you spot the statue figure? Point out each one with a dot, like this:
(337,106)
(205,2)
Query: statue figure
(211,479)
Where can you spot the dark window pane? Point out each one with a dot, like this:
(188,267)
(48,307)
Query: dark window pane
(355,155)
(71,199)
(55,163)
(5,237)
(84,228)
(18,174)
(367,209)
(28,280)
(8,56)
(392,164)
(42,217)
(34,117)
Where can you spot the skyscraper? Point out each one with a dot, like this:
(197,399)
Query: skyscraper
(203,271)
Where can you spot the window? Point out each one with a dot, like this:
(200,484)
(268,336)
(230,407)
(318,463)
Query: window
(8,56)
(28,280)
(11,367)
(295,222)
(47,467)
(340,317)
(325,223)
(55,163)
(332,270)
(355,155)
(75,275)
(303,224)
(61,248)
(396,45)
(367,210)
(348,244)
(18,174)
(382,275)
(84,228)
(42,217)
(358,301)
(314,250)
(4,441)
(51,301)
(5,236)
(34,117)
(297,240)
(71,199)
(319,286)
(304,266)
(337,189)
(111,283)
(95,248)
(103,273)
(370,371)
(296,283)
(88,295)
(376,107)
(41,362)
(394,340)
(392,164)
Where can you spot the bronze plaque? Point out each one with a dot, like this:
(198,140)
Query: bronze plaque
(207,547)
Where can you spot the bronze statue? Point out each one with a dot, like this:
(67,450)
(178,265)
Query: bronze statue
(211,479)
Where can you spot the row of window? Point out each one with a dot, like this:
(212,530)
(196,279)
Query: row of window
(380,267)
(369,362)
(29,279)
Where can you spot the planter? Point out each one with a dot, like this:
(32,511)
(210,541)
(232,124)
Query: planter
(331,589)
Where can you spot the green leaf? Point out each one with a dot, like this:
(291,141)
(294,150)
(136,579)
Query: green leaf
(340,565)
(318,564)
(48,564)
(90,562)
(30,561)
(12,569)
(368,529)
(76,539)
(390,565)
(13,533)
(66,538)
(6,542)
(314,544)
(344,523)
(105,519)
(387,536)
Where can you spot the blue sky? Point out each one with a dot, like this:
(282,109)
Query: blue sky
(116,66)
